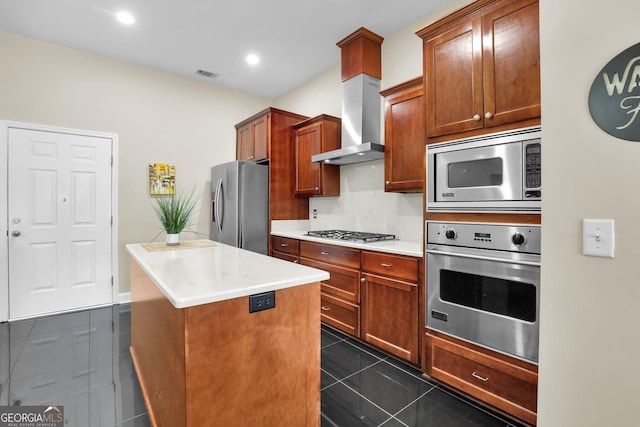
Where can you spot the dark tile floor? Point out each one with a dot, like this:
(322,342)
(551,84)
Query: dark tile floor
(362,387)
(81,360)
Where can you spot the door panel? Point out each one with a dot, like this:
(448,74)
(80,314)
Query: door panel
(453,67)
(512,63)
(59,210)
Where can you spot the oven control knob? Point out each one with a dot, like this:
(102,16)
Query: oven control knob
(450,234)
(518,239)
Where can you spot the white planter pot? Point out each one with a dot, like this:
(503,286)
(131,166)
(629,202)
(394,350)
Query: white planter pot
(173,239)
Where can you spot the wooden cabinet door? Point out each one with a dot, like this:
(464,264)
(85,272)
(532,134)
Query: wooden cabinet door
(390,318)
(453,79)
(244,146)
(308,141)
(511,62)
(260,138)
(404,131)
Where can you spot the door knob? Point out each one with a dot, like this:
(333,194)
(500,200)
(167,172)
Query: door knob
(15,233)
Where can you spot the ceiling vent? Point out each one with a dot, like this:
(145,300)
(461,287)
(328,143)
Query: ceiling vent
(208,74)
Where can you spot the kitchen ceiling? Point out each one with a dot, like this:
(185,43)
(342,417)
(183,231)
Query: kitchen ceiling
(295,39)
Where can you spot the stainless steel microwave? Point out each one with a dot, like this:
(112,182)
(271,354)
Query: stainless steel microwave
(499,172)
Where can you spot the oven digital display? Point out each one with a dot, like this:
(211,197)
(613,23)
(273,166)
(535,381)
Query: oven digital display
(482,235)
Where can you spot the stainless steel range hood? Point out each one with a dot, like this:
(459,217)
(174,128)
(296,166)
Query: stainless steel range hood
(361,73)
(360,123)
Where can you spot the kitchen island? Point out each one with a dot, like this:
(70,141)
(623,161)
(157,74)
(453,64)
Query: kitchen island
(203,359)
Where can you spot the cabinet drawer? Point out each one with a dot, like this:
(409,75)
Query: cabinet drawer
(343,282)
(340,314)
(286,245)
(494,381)
(286,257)
(391,265)
(330,254)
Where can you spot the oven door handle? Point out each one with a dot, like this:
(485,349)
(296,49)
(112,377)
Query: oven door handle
(483,258)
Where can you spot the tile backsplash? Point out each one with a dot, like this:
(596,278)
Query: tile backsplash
(364,206)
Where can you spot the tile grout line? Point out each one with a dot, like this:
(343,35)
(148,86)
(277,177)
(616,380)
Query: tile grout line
(475,405)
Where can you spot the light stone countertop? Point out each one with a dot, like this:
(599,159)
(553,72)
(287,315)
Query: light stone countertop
(398,247)
(194,276)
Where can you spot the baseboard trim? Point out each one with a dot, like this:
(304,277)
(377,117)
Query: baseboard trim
(124,298)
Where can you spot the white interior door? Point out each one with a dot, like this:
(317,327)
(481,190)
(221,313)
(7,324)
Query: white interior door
(59,222)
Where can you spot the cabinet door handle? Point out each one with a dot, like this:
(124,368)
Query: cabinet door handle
(325,308)
(250,157)
(295,261)
(387,182)
(384,264)
(284,245)
(476,117)
(480,377)
(488,115)
(324,253)
(362,280)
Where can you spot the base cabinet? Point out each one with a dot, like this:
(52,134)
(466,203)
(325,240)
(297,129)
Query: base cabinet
(373,296)
(340,295)
(285,248)
(390,303)
(340,314)
(507,384)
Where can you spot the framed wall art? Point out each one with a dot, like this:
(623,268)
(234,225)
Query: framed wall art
(162,179)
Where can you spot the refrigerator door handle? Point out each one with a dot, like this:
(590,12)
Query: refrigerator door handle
(217,205)
(220,206)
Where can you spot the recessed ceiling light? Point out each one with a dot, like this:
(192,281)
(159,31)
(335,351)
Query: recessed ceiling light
(252,59)
(125,17)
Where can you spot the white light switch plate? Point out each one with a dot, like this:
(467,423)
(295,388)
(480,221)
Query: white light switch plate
(598,237)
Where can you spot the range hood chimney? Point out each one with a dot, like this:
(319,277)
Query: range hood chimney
(361,73)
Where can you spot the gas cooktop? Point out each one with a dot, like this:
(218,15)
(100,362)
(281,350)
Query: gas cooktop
(351,235)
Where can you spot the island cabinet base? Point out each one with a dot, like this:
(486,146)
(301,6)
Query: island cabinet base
(219,365)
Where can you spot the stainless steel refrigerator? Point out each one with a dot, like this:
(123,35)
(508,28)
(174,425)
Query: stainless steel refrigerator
(240,205)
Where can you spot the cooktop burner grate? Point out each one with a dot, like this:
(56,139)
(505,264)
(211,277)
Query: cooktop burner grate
(351,235)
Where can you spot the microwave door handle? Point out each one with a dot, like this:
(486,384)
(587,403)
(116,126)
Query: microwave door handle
(483,258)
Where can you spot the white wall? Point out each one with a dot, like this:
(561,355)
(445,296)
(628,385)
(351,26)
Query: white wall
(159,117)
(589,343)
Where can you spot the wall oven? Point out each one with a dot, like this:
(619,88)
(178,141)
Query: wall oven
(500,172)
(483,284)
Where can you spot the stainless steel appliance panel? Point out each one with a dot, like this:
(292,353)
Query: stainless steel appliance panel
(240,205)
(498,172)
(483,285)
(479,174)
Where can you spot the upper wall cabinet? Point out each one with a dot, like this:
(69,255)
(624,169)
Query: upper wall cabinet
(314,136)
(268,136)
(404,137)
(482,67)
(251,138)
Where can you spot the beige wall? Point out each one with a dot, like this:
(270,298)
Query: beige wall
(590,346)
(159,118)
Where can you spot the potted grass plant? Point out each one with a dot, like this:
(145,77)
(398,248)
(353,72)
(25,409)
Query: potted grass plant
(175,213)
